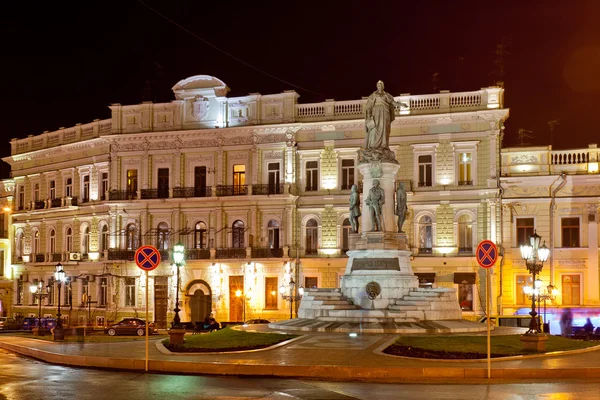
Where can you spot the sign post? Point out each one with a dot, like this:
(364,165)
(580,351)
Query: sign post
(487,254)
(147,258)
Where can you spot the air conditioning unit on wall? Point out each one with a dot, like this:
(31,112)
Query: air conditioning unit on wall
(74,256)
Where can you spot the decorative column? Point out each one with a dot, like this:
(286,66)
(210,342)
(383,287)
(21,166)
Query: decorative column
(592,287)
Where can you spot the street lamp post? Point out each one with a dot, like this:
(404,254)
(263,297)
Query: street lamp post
(38,291)
(534,256)
(291,297)
(178,258)
(549,294)
(177,331)
(58,333)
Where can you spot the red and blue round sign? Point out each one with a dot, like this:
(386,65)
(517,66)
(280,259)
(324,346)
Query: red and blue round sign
(147,258)
(487,253)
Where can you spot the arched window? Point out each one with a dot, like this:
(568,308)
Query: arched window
(36,242)
(273,228)
(237,235)
(131,237)
(104,238)
(465,234)
(52,241)
(200,235)
(425,235)
(312,237)
(19,244)
(85,240)
(162,236)
(69,239)
(346,235)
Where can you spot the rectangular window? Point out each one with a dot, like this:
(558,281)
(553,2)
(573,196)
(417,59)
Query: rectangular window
(52,190)
(21,201)
(132,183)
(104,186)
(310,282)
(163,183)
(273,169)
(130,292)
(85,193)
(36,192)
(570,232)
(271,293)
(521,282)
(312,176)
(68,292)
(103,294)
(200,181)
(347,174)
(50,294)
(571,288)
(524,230)
(239,179)
(69,187)
(465,163)
(425,170)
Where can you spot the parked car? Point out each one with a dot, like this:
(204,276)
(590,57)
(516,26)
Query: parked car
(257,321)
(8,323)
(130,326)
(517,321)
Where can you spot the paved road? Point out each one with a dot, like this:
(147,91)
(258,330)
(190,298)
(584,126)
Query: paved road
(23,378)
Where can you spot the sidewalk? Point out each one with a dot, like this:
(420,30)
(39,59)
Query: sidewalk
(313,355)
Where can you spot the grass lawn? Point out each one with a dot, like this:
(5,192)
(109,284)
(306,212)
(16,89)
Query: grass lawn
(91,337)
(455,347)
(228,340)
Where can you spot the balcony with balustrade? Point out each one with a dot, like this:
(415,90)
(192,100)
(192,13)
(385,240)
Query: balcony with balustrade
(542,160)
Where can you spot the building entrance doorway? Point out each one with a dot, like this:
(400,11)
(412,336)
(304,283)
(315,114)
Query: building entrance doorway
(236,282)
(199,300)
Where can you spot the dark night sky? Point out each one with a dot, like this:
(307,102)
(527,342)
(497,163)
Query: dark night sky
(64,64)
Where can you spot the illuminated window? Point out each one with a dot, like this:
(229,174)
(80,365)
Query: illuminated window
(132,184)
(239,179)
(465,164)
(271,290)
(571,289)
(162,236)
(310,282)
(52,240)
(521,282)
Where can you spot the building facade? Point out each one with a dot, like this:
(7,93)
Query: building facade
(256,188)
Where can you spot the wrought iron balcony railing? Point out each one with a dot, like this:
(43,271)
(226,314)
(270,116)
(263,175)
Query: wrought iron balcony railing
(231,253)
(232,190)
(425,250)
(117,254)
(186,192)
(267,189)
(465,183)
(197,254)
(122,195)
(56,203)
(266,252)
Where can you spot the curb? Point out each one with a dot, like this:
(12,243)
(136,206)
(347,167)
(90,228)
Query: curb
(322,372)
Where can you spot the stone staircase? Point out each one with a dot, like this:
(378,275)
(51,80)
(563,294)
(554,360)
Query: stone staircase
(428,304)
(419,305)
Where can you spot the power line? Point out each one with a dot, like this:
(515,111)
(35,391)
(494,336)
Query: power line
(224,52)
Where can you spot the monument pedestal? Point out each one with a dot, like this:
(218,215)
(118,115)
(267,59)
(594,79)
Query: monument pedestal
(385,173)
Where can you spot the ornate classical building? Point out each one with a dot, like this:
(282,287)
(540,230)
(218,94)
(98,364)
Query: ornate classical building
(256,188)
